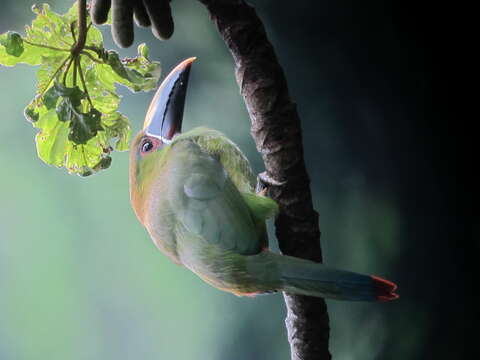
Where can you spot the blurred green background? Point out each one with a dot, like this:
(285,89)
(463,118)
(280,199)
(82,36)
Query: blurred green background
(80,278)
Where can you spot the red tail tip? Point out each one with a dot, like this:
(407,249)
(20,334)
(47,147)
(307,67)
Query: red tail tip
(384,289)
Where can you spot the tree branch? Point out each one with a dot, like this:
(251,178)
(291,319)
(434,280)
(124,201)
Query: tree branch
(82,27)
(277,132)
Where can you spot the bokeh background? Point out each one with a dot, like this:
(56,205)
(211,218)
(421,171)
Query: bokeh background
(80,278)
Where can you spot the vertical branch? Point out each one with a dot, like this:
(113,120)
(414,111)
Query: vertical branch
(277,133)
(82,27)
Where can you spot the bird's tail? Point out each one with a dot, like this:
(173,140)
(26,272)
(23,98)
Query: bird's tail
(305,277)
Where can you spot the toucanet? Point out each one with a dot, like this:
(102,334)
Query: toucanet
(194,193)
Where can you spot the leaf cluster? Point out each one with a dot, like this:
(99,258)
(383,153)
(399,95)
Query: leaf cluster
(76,102)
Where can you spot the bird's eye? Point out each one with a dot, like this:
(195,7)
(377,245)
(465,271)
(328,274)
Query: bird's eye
(147,146)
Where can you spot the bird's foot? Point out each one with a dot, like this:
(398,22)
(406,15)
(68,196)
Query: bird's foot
(264,181)
(262,192)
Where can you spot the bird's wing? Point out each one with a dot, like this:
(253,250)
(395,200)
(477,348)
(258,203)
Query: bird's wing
(230,156)
(208,203)
(260,206)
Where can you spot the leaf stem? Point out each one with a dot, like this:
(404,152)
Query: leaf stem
(75,72)
(91,57)
(82,27)
(83,82)
(72,30)
(84,156)
(95,50)
(66,71)
(53,76)
(45,46)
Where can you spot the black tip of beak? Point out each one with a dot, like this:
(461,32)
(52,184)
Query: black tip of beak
(165,114)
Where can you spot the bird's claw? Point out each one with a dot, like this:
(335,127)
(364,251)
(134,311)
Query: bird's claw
(264,181)
(268,180)
(261,192)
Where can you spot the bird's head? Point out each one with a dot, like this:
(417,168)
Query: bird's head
(162,123)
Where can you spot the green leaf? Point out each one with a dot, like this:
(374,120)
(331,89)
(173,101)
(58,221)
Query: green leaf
(54,147)
(75,108)
(31,55)
(84,126)
(94,37)
(13,43)
(64,110)
(52,140)
(73,94)
(35,110)
(117,126)
(121,70)
(50,98)
(31,114)
(138,74)
(143,50)
(85,159)
(50,29)
(103,96)
(48,68)
(103,164)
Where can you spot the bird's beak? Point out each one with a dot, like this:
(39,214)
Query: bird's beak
(165,114)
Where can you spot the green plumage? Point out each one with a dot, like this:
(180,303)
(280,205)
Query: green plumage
(194,193)
(196,198)
(202,182)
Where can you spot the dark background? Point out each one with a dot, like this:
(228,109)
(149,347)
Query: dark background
(384,68)
(372,83)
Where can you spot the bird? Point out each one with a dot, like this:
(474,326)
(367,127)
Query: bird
(194,193)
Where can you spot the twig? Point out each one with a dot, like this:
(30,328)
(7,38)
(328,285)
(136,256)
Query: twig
(72,30)
(45,46)
(82,27)
(91,57)
(277,133)
(74,75)
(66,71)
(83,82)
(95,50)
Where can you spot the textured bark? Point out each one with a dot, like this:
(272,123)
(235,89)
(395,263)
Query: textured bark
(277,132)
